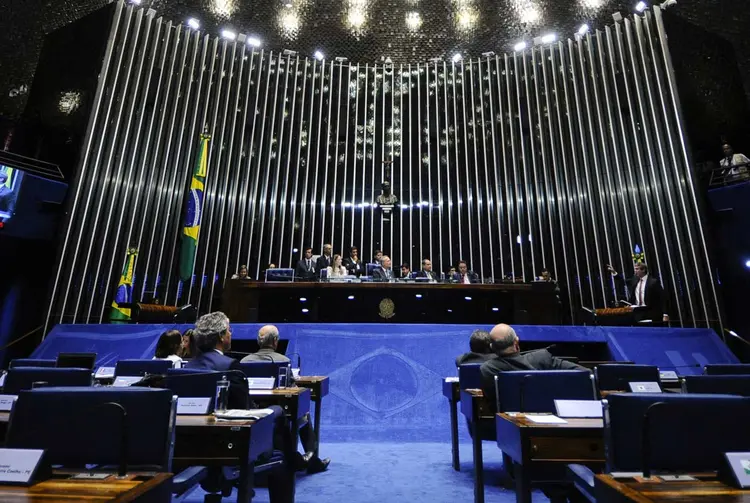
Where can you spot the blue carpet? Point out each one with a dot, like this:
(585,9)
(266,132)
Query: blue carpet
(395,473)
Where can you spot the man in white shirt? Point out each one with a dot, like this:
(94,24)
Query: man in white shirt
(644,293)
(731,160)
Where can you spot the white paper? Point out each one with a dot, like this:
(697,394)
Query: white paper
(451,379)
(6,402)
(18,465)
(578,408)
(195,405)
(256,392)
(546,419)
(105,373)
(244,414)
(125,381)
(260,383)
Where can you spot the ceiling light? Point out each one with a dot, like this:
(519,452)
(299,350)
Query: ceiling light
(228,34)
(254,41)
(640,6)
(617,17)
(356,18)
(351,297)
(549,38)
(457,57)
(520,46)
(193,23)
(584,29)
(530,14)
(413,20)
(136,2)
(305,311)
(320,57)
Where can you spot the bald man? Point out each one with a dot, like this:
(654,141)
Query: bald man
(506,345)
(268,341)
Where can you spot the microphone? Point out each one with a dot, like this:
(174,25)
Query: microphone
(522,392)
(645,443)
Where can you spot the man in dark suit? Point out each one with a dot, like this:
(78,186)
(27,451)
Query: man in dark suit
(464,275)
(383,272)
(427,271)
(353,264)
(306,267)
(213,336)
(506,345)
(325,260)
(480,346)
(644,293)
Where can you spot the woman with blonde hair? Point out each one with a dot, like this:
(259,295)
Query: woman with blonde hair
(336,270)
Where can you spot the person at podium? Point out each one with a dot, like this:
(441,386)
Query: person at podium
(427,271)
(325,260)
(383,272)
(353,263)
(306,266)
(464,275)
(336,269)
(644,293)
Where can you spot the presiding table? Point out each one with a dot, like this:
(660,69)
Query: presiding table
(402,302)
(541,452)
(707,488)
(60,487)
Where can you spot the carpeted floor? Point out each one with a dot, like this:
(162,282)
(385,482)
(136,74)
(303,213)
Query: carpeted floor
(395,473)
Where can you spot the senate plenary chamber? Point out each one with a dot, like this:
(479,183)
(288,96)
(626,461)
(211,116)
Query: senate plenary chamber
(370,251)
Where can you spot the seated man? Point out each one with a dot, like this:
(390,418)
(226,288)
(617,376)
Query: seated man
(479,344)
(213,336)
(464,275)
(383,272)
(505,344)
(427,271)
(268,341)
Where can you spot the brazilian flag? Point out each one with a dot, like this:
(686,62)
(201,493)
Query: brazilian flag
(194,211)
(124,294)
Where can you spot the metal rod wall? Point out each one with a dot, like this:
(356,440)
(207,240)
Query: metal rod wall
(561,156)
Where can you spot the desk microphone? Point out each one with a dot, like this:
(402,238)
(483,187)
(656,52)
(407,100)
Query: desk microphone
(522,392)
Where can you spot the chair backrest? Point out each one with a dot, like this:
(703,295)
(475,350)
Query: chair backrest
(142,367)
(263,369)
(22,378)
(727,369)
(370,267)
(687,433)
(76,360)
(720,384)
(614,376)
(31,362)
(469,376)
(79,426)
(193,383)
(537,390)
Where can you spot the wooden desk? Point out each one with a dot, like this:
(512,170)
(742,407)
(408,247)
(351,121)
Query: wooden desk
(204,441)
(451,391)
(535,448)
(152,487)
(474,407)
(707,488)
(318,386)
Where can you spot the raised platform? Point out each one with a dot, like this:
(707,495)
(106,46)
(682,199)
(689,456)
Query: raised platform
(386,379)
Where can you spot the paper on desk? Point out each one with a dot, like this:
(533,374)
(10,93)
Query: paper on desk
(451,379)
(255,392)
(546,419)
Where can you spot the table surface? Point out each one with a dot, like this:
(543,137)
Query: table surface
(705,489)
(112,489)
(394,285)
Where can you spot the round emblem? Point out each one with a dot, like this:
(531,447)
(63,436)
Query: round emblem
(387,308)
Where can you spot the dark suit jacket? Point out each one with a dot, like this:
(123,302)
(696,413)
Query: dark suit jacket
(322,262)
(473,277)
(471,357)
(431,275)
(354,268)
(533,360)
(653,296)
(6,199)
(239,397)
(301,271)
(378,274)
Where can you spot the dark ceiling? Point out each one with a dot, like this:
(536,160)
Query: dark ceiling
(407,31)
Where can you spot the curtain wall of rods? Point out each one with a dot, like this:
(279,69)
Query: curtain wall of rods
(561,156)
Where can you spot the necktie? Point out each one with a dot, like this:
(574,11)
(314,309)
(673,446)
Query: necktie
(308,264)
(641,287)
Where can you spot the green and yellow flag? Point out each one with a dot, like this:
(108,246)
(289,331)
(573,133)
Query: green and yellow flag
(124,294)
(192,225)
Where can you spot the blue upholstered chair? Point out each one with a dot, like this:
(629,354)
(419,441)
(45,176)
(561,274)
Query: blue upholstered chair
(723,384)
(537,390)
(685,433)
(617,377)
(369,267)
(133,368)
(23,378)
(79,425)
(193,383)
(727,369)
(469,376)
(32,362)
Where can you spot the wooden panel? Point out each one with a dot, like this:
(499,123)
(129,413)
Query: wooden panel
(567,448)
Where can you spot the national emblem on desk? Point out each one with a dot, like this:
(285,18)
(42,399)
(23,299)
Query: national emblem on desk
(387,308)
(639,257)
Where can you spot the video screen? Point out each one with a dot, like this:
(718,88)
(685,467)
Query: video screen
(10,186)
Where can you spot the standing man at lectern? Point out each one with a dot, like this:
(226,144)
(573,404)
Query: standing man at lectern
(644,293)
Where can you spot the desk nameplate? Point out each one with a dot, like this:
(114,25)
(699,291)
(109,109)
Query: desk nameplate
(21,466)
(6,402)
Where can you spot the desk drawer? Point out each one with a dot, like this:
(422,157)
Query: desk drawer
(566,448)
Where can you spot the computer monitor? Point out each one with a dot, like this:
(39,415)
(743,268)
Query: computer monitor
(76,360)
(277,275)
